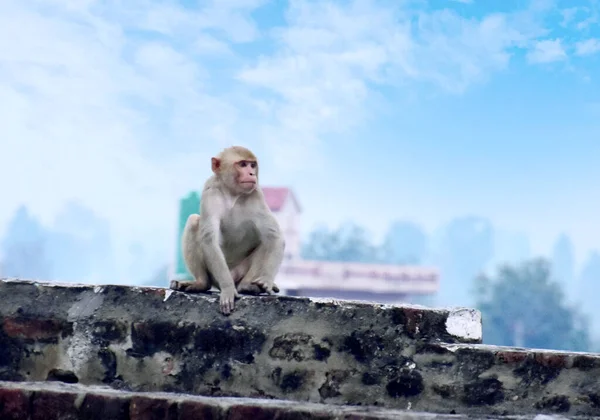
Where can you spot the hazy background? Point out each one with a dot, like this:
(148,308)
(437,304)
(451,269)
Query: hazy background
(459,134)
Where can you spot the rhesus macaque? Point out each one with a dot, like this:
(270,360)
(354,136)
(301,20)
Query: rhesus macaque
(235,243)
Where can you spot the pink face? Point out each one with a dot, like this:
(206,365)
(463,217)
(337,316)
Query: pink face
(247,177)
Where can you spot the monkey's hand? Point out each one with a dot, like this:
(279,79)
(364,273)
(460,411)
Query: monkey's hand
(227,299)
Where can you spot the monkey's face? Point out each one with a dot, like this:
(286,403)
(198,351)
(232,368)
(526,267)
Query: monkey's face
(246,175)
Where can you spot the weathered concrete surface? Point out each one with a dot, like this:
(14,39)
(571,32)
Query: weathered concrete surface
(49,401)
(150,339)
(499,379)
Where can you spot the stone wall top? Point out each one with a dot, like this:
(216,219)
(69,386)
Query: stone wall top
(71,302)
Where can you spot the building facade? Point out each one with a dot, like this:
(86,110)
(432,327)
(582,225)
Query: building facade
(286,209)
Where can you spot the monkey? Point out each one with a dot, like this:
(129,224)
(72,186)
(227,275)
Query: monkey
(234,243)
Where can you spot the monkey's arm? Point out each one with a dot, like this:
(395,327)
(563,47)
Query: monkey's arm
(212,209)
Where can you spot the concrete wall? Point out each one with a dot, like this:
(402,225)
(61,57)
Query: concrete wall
(286,348)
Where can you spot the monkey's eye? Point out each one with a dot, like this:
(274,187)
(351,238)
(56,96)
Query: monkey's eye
(243,164)
(253,165)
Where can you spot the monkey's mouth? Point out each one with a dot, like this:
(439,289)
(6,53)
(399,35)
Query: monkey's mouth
(248,182)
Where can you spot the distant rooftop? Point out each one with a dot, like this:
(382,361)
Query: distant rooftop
(277,196)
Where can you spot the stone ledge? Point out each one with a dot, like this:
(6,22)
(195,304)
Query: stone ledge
(300,349)
(274,347)
(37,400)
(79,301)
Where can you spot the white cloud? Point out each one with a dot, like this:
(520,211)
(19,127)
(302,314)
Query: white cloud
(587,47)
(331,58)
(588,22)
(456,52)
(568,15)
(321,75)
(547,51)
(580,17)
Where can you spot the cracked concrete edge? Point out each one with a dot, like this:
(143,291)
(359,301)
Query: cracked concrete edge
(490,348)
(464,323)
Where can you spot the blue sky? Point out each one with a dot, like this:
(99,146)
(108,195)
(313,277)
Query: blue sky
(370,110)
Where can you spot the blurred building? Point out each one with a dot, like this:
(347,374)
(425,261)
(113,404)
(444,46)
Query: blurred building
(377,282)
(286,209)
(384,283)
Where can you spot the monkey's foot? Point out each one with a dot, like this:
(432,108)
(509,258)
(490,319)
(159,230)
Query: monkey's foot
(266,286)
(188,286)
(249,289)
(257,287)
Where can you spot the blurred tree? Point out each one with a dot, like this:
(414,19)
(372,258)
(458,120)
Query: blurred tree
(510,247)
(461,251)
(563,263)
(588,289)
(523,307)
(348,243)
(80,245)
(405,243)
(24,248)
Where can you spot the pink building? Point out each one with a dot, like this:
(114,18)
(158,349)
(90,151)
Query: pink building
(285,207)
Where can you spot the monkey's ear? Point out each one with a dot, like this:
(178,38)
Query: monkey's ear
(216,164)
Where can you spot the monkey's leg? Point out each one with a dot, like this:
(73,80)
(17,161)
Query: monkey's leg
(252,282)
(194,260)
(239,271)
